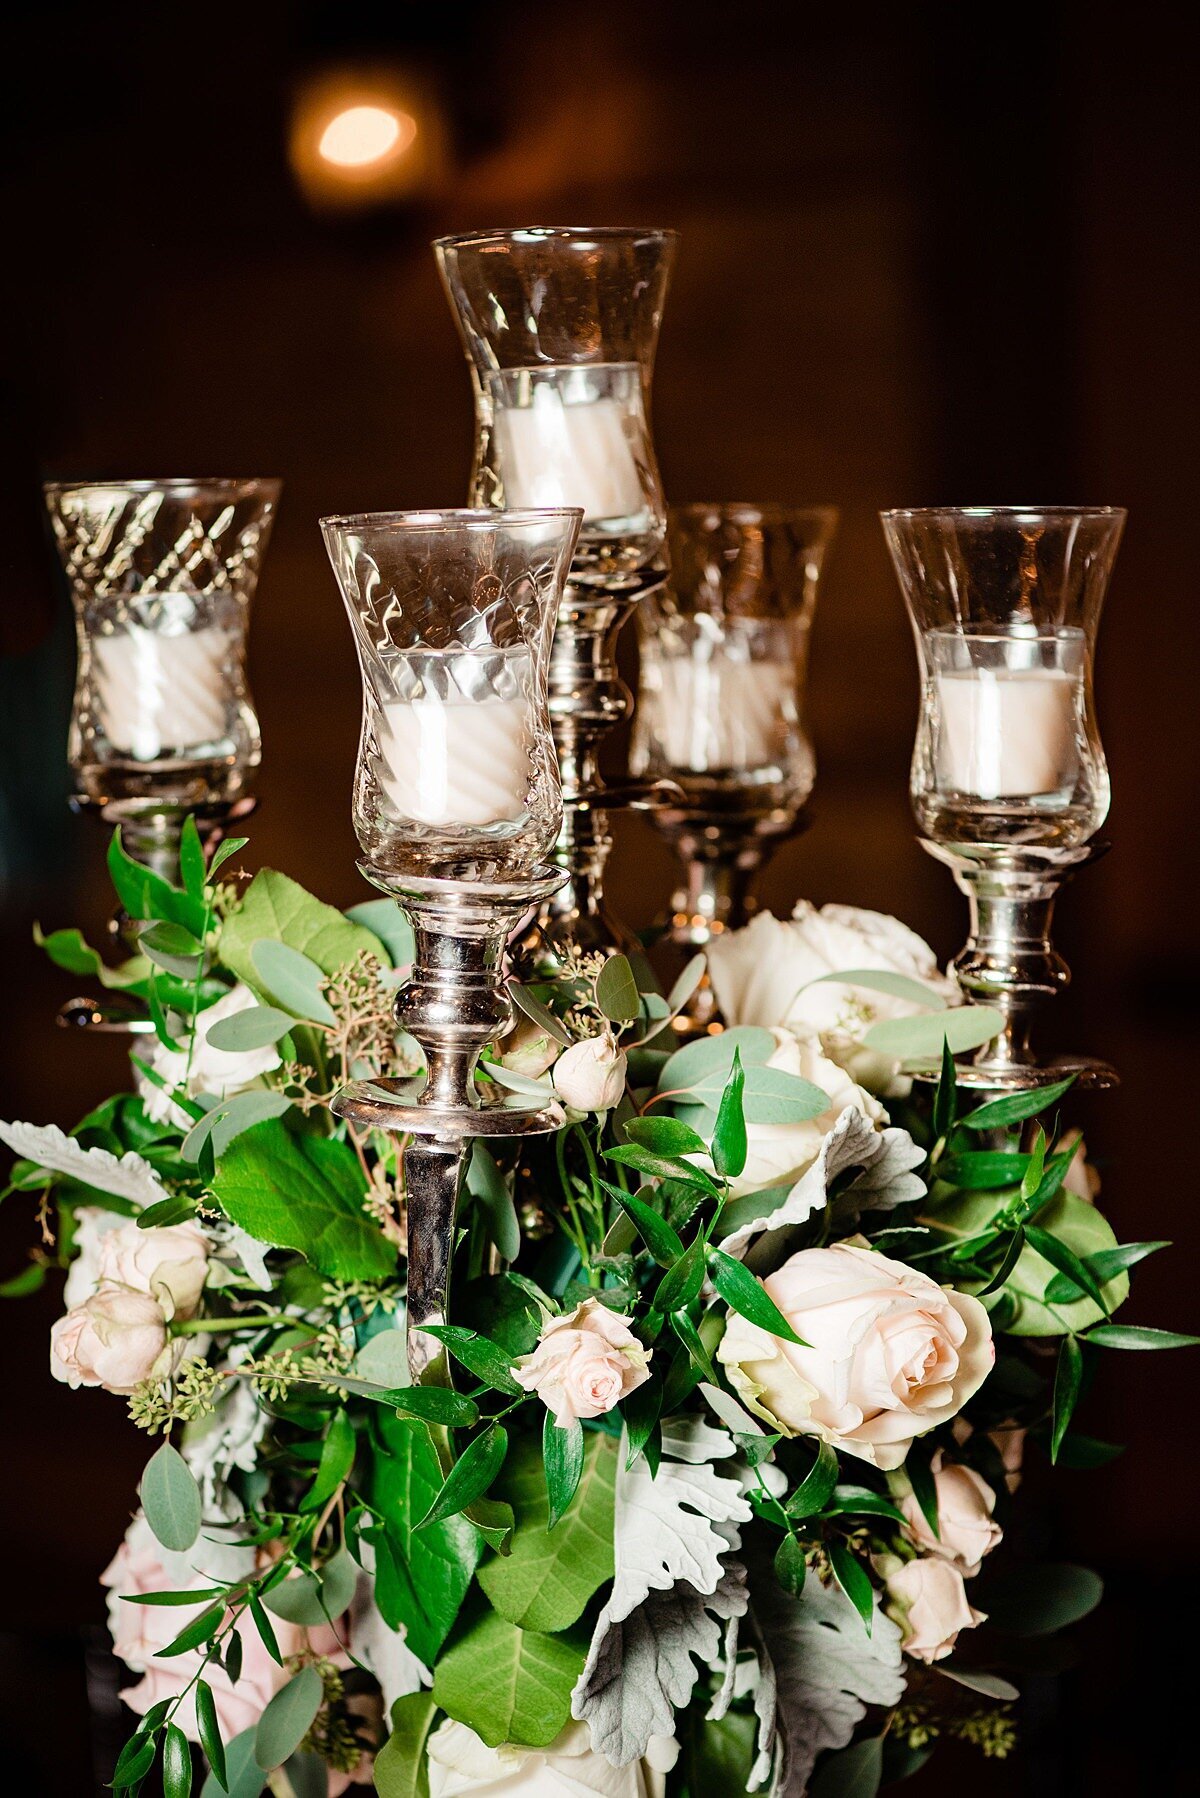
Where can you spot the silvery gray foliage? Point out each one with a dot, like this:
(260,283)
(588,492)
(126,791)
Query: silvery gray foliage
(886,1158)
(640,1669)
(825,1670)
(670,1528)
(125,1176)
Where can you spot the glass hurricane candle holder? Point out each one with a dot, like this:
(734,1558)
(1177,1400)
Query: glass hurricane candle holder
(724,661)
(457,803)
(1009,782)
(560,328)
(161,575)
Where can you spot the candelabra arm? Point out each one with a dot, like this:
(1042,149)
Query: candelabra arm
(433,1168)
(1009,961)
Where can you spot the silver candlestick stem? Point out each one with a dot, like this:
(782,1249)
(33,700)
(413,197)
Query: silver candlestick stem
(1009,961)
(454,1003)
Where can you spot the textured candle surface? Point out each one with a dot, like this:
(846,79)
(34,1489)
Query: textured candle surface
(712,712)
(551,453)
(1007,733)
(457,762)
(159,694)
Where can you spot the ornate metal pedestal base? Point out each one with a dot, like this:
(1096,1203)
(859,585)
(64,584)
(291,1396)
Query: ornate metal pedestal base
(1009,961)
(453,1003)
(151,837)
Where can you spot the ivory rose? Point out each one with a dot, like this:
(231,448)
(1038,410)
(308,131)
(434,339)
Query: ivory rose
(461,1764)
(779,1154)
(139,1632)
(217,1072)
(584,1363)
(528,1049)
(169,1263)
(92,1224)
(929,1602)
(965,1503)
(891,1353)
(771,973)
(590,1076)
(116,1339)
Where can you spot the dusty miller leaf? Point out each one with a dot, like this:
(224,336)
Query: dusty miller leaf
(126,1176)
(853,1142)
(669,1529)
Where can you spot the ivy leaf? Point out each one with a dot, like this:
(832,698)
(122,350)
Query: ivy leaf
(401,1768)
(729,1138)
(546,1580)
(171,1499)
(562,1453)
(616,990)
(854,1580)
(1067,1377)
(304,1193)
(470,1476)
(288,1718)
(748,1296)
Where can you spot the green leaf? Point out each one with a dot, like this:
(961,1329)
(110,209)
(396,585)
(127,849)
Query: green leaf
(539,1014)
(860,1501)
(882,980)
(854,1580)
(698,1355)
(854,1772)
(210,1731)
(641,1412)
(997,1114)
(1086,1451)
(274,907)
(177,1756)
(480,1356)
(288,1718)
(433,1404)
(262,1624)
(983,1170)
(191,859)
(665,1136)
(134,1762)
(1067,1377)
(1038,1599)
(509,1684)
(422,1577)
(1064,1258)
(687,983)
(917,1465)
(245,1777)
(68,950)
(976,1680)
(173,1210)
(385,920)
(562,1453)
(228,1118)
(661,1240)
(709,1060)
(681,1283)
(790,1566)
(488,1185)
(748,1296)
(337,1458)
(1138,1336)
(30,1279)
(224,852)
(172,947)
(310,1598)
(144,894)
(202,1629)
(293,979)
(921,1038)
(773,1096)
(1012,1255)
(304,1193)
(171,1499)
(814,1490)
(254,1028)
(401,1768)
(1087,1232)
(616,990)
(662,1167)
(1105,1265)
(945,1099)
(470,1476)
(1035,1172)
(729,1137)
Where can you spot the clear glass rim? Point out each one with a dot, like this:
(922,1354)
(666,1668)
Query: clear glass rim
(737,511)
(541,233)
(470,518)
(973,513)
(182,486)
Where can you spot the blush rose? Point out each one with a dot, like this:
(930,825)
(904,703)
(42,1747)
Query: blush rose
(584,1363)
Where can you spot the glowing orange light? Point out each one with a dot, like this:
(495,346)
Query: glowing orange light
(360,136)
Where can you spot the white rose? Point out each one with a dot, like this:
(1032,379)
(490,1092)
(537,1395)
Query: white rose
(461,1765)
(765,975)
(217,1072)
(779,1154)
(890,1354)
(584,1363)
(170,1263)
(590,1076)
(967,1529)
(116,1340)
(929,1602)
(92,1225)
(528,1049)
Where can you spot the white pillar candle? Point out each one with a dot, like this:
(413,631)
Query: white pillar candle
(1007,733)
(159,694)
(457,760)
(718,713)
(558,453)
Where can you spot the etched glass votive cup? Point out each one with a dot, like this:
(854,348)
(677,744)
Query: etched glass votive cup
(161,575)
(453,614)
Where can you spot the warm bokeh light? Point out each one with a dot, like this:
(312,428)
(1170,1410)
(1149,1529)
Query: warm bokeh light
(358,136)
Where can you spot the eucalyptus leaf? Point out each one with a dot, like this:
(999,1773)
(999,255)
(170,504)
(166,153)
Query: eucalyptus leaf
(171,1499)
(710,1058)
(291,978)
(288,1718)
(920,1038)
(385,920)
(617,991)
(254,1028)
(882,980)
(488,1185)
(244,1777)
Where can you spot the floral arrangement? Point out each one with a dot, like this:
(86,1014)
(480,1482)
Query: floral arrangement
(746,1359)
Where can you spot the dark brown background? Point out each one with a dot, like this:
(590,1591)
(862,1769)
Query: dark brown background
(931,254)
